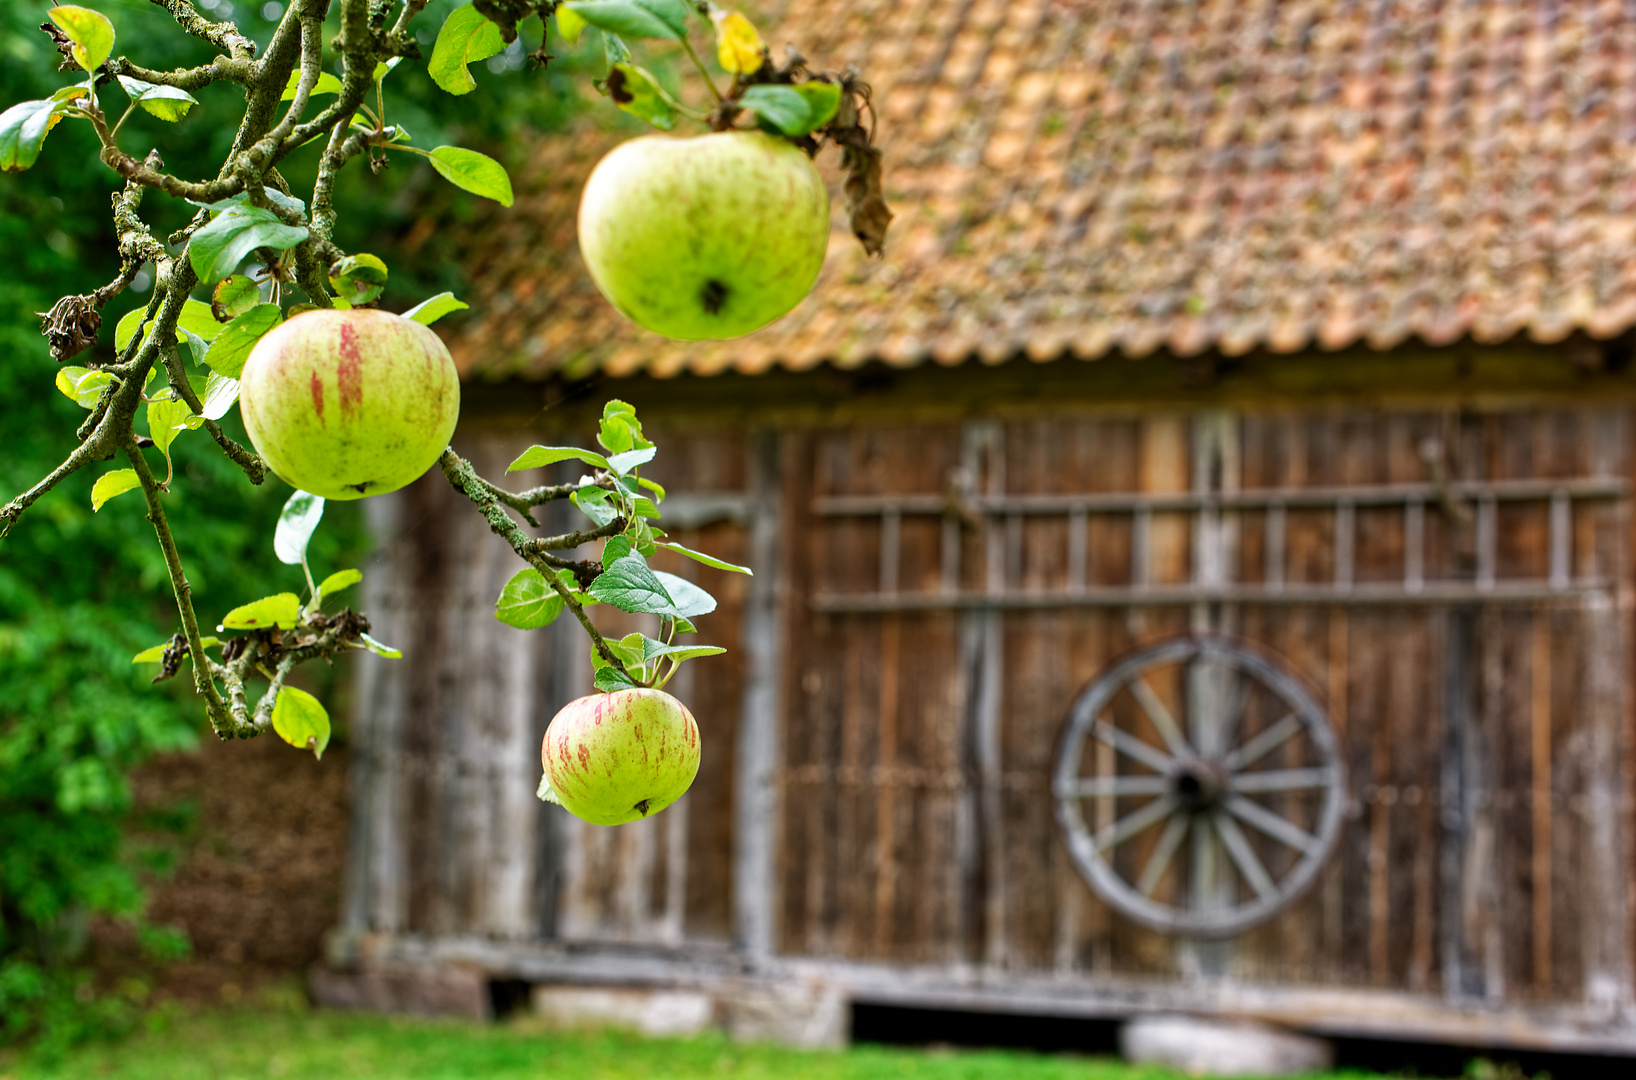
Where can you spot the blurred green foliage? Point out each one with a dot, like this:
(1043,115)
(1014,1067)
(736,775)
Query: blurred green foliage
(80,593)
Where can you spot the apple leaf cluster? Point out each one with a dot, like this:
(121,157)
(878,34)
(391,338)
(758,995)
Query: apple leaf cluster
(624,506)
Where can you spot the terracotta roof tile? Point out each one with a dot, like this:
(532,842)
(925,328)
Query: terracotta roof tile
(1135,175)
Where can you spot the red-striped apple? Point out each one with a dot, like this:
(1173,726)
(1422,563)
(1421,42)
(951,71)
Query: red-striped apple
(349,403)
(620,757)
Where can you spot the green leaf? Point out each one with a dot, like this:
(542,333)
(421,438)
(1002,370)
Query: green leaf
(629,585)
(90,31)
(383,68)
(629,649)
(657,489)
(233,296)
(430,311)
(126,328)
(681,653)
(690,600)
(196,345)
(793,110)
(232,346)
(220,393)
(296,524)
(544,792)
(282,610)
(358,279)
(271,194)
(528,601)
(197,318)
(108,485)
(570,25)
(634,18)
(630,459)
(473,172)
(636,91)
(83,386)
(617,547)
(218,248)
(536,456)
(467,36)
(341,579)
(166,419)
(301,721)
(620,429)
(166,102)
(157,653)
(326,84)
(380,650)
(609,679)
(593,503)
(23,129)
(708,560)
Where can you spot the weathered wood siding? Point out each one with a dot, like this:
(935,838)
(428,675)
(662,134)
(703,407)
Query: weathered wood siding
(1484,741)
(901,712)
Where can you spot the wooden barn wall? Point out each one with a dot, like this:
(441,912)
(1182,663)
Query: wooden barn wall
(1483,854)
(1487,746)
(449,837)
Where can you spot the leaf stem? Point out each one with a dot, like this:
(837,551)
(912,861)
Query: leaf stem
(708,81)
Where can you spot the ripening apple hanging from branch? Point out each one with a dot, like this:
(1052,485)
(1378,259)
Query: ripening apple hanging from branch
(718,235)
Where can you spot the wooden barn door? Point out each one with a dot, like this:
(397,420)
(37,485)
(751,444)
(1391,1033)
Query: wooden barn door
(1453,587)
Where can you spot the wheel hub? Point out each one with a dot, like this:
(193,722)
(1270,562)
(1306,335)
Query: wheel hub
(1198,785)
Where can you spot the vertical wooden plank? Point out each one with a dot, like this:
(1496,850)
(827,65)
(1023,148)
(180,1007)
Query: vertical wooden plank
(755,802)
(1540,794)
(886,786)
(989,694)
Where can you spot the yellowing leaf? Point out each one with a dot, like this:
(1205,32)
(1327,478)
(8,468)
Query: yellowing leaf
(110,484)
(280,610)
(90,31)
(301,720)
(738,47)
(570,24)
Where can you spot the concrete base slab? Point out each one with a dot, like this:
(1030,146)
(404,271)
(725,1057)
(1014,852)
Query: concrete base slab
(650,1012)
(1204,1047)
(417,991)
(794,1013)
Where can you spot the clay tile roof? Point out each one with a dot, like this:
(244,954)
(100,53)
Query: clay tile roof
(1072,178)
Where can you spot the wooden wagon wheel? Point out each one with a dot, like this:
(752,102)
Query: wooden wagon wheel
(1201,770)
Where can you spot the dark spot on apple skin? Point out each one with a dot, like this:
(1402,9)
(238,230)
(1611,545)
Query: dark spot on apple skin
(363,488)
(642,807)
(713,296)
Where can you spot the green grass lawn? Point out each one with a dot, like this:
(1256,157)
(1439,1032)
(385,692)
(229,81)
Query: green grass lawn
(244,1044)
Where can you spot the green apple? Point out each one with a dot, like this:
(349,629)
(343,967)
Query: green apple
(709,237)
(614,758)
(349,403)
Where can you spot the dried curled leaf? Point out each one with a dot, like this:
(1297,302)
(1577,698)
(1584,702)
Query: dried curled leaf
(865,198)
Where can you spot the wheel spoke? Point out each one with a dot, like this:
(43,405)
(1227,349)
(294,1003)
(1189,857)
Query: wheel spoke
(1163,853)
(1095,787)
(1263,744)
(1132,824)
(1259,817)
(1243,855)
(1284,780)
(1132,747)
(1235,713)
(1160,716)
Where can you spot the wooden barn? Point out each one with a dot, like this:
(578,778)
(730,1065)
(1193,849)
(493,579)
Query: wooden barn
(1193,568)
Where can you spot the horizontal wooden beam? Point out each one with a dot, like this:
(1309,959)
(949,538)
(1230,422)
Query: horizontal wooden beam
(1430,593)
(1250,498)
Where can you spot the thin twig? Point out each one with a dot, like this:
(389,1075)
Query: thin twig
(465,480)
